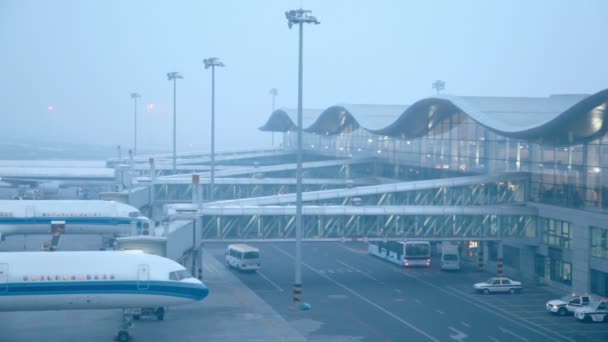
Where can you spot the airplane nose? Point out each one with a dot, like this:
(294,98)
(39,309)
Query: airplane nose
(203,291)
(199,289)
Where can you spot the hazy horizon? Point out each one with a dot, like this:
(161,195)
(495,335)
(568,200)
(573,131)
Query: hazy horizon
(69,66)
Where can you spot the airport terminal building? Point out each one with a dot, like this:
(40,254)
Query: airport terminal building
(558,144)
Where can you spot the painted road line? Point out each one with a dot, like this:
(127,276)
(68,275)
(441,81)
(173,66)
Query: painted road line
(363,298)
(484,306)
(458,335)
(397,290)
(465,324)
(270,281)
(359,271)
(514,318)
(439,311)
(509,332)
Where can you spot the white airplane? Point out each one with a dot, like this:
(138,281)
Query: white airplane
(19,217)
(34,281)
(50,179)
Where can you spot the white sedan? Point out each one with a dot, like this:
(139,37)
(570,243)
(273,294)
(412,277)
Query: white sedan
(596,312)
(498,284)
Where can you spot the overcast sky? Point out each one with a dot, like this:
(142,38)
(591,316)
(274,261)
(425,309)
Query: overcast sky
(68,67)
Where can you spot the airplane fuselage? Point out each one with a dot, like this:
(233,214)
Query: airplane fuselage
(19,217)
(93,280)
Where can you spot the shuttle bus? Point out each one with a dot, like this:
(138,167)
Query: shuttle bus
(243,257)
(404,253)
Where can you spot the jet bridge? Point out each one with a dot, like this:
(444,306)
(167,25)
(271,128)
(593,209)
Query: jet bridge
(328,222)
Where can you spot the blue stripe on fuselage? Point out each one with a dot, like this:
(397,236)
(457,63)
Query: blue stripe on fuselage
(162,288)
(68,220)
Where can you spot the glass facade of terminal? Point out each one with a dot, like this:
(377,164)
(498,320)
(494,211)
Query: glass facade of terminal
(571,176)
(599,242)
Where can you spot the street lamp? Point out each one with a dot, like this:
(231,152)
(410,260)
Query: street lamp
(174,76)
(212,62)
(135,96)
(299,17)
(439,86)
(274,92)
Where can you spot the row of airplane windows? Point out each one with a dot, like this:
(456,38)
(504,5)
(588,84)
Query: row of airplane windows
(69,277)
(70,214)
(8,214)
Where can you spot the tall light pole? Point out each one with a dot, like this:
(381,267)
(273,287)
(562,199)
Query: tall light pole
(439,86)
(174,76)
(135,96)
(299,17)
(212,62)
(274,92)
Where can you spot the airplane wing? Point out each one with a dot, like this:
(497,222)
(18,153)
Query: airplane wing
(14,182)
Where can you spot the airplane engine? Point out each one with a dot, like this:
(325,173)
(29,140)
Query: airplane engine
(49,188)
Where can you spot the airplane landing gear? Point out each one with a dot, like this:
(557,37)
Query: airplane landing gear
(123,336)
(160,314)
(127,323)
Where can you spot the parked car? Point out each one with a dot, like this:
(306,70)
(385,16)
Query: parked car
(498,284)
(594,312)
(567,304)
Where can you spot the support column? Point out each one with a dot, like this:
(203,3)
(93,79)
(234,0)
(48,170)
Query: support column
(201,250)
(499,261)
(152,198)
(486,253)
(480,255)
(580,259)
(526,261)
(195,189)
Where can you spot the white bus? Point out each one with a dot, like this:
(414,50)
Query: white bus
(450,257)
(404,253)
(243,257)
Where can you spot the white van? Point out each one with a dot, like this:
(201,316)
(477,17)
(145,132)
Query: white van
(243,257)
(450,258)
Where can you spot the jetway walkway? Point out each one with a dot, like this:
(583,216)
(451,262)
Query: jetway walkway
(179,190)
(467,208)
(353,222)
(279,168)
(168,157)
(506,182)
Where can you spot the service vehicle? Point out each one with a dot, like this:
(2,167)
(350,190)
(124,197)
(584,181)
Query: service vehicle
(404,253)
(567,304)
(450,257)
(243,257)
(498,284)
(594,312)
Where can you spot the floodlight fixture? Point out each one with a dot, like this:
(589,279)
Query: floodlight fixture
(212,62)
(439,86)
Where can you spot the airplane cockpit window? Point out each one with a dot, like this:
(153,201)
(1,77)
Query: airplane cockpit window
(179,275)
(134,214)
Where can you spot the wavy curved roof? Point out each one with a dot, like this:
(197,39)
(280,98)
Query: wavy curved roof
(555,120)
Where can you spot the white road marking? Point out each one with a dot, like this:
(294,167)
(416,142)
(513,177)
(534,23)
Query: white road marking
(358,270)
(509,332)
(494,339)
(397,290)
(270,281)
(484,306)
(465,324)
(417,301)
(385,311)
(439,311)
(459,335)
